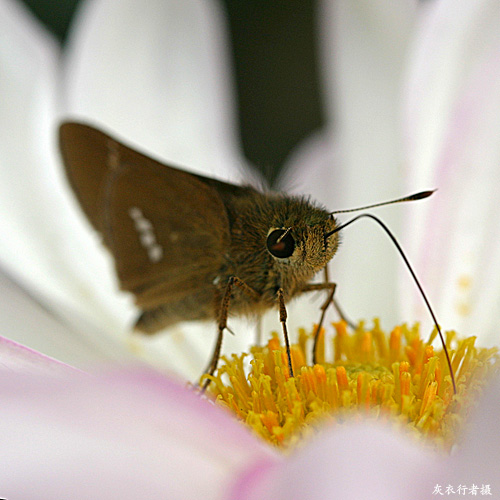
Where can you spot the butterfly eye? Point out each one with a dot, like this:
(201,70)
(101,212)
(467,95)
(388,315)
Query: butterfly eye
(280,243)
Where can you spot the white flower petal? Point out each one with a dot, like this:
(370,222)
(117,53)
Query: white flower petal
(27,320)
(28,60)
(43,240)
(158,74)
(453,140)
(363,54)
(312,168)
(118,436)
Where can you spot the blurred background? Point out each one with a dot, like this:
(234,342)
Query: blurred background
(275,71)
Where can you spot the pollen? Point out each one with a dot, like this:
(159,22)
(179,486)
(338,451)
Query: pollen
(365,372)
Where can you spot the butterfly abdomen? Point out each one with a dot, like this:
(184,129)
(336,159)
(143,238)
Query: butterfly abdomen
(191,308)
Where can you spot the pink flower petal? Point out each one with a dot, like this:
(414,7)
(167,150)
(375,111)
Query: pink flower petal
(18,358)
(348,462)
(129,435)
(137,433)
(477,459)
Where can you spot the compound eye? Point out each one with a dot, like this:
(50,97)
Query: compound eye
(280,246)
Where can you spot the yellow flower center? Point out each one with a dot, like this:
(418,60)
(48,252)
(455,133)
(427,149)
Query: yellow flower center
(363,373)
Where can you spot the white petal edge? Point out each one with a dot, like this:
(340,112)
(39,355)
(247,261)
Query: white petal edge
(16,357)
(29,321)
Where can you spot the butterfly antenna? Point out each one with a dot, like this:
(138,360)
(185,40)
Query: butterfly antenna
(414,276)
(413,197)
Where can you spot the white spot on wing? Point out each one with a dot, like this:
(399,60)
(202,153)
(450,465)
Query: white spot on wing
(155,253)
(135,212)
(113,155)
(147,237)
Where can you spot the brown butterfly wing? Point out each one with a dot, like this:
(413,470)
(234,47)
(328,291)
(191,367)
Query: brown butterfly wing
(168,230)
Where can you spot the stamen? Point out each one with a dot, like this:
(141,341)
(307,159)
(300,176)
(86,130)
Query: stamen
(395,377)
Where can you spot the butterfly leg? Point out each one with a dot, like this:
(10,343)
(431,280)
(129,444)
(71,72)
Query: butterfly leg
(283,317)
(342,315)
(310,287)
(336,304)
(223,311)
(314,287)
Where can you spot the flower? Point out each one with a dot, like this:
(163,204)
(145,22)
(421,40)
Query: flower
(396,377)
(384,81)
(133,433)
(411,91)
